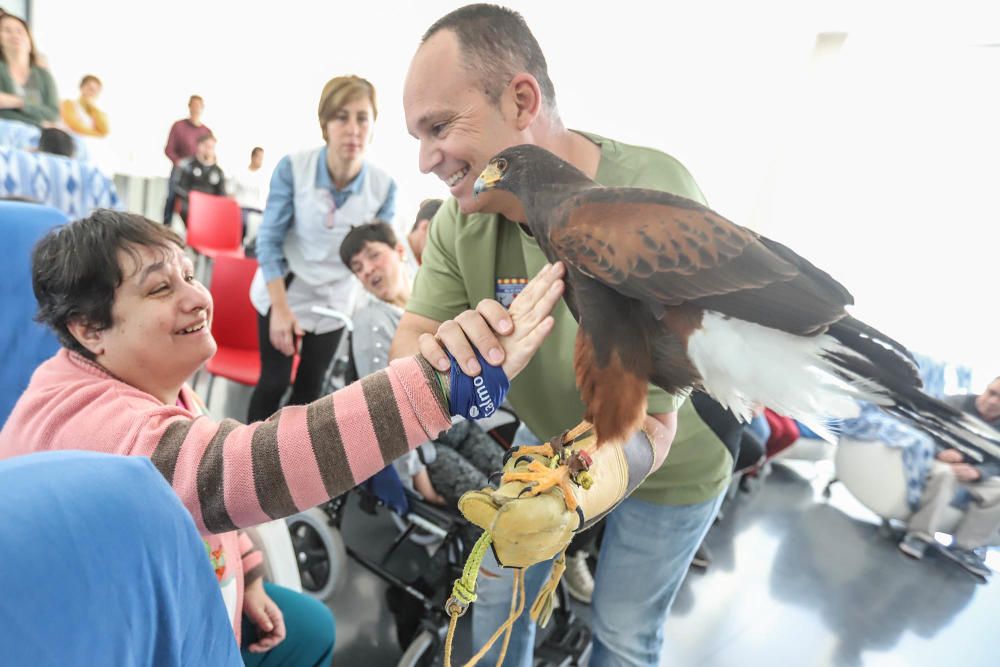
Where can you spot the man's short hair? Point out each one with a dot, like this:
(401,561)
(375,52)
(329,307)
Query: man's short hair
(75,269)
(196,97)
(370,232)
(88,78)
(428,208)
(205,137)
(55,141)
(256,149)
(497,44)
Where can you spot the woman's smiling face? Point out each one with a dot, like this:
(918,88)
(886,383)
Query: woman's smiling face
(160,332)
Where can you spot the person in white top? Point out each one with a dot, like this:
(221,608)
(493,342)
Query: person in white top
(316,196)
(249,188)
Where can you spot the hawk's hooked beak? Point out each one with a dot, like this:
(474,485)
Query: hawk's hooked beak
(487,180)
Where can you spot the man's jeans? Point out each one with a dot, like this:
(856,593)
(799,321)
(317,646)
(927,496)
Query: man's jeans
(644,558)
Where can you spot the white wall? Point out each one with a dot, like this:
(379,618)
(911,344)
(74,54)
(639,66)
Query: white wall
(877,161)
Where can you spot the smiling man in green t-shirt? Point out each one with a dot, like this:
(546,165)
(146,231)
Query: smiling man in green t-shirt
(478,84)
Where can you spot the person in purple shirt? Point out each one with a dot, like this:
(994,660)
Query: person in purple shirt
(182,143)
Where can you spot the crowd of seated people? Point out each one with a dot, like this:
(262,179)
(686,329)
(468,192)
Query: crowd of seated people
(134,324)
(35,128)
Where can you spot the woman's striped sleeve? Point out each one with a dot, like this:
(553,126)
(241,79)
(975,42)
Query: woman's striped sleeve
(231,475)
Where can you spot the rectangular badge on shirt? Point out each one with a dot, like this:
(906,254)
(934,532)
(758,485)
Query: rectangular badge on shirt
(508,288)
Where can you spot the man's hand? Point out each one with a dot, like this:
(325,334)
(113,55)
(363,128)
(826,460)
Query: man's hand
(285,331)
(530,527)
(522,328)
(660,429)
(265,615)
(965,473)
(950,456)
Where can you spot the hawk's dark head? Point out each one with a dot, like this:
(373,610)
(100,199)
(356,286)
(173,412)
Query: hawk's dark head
(527,170)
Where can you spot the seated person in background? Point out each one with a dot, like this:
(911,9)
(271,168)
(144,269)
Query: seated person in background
(134,323)
(249,186)
(951,472)
(27,90)
(56,142)
(82,115)
(464,457)
(417,238)
(200,173)
(78,531)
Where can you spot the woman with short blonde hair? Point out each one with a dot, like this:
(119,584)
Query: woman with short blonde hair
(316,196)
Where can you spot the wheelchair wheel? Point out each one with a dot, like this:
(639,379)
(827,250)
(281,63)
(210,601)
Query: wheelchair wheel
(420,652)
(319,552)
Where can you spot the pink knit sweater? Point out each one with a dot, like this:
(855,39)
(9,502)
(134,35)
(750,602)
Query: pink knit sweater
(228,474)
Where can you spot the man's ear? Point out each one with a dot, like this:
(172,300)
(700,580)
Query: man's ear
(87,335)
(527,99)
(400,249)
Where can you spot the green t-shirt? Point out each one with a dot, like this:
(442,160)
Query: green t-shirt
(484,256)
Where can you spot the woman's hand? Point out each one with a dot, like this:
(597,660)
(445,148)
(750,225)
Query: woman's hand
(285,331)
(10,101)
(265,615)
(521,329)
(950,456)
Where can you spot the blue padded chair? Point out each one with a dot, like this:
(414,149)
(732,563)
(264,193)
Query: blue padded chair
(72,186)
(24,343)
(102,565)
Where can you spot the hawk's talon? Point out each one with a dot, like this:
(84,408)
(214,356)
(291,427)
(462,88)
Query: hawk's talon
(540,478)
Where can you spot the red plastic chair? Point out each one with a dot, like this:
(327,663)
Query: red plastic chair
(234,324)
(214,225)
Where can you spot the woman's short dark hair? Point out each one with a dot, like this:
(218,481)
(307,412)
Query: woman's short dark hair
(75,268)
(55,141)
(374,232)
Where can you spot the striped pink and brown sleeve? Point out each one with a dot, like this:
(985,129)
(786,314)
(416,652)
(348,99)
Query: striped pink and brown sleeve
(231,475)
(252,557)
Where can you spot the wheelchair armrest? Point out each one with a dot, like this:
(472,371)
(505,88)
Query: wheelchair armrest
(435,513)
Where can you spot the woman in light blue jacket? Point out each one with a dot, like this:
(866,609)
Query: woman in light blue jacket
(316,197)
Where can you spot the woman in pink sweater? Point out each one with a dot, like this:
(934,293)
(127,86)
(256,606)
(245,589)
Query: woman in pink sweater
(135,324)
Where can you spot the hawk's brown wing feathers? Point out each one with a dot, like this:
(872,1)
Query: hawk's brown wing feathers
(657,247)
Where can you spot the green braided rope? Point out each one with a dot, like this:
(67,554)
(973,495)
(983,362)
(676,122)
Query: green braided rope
(463,593)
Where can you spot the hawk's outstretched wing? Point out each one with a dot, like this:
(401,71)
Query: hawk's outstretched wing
(657,247)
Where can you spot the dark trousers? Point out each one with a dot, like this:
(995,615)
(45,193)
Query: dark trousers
(168,207)
(316,353)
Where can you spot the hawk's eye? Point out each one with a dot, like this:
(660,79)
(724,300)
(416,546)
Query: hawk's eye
(502,164)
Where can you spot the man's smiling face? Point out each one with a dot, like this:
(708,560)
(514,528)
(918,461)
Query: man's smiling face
(459,128)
